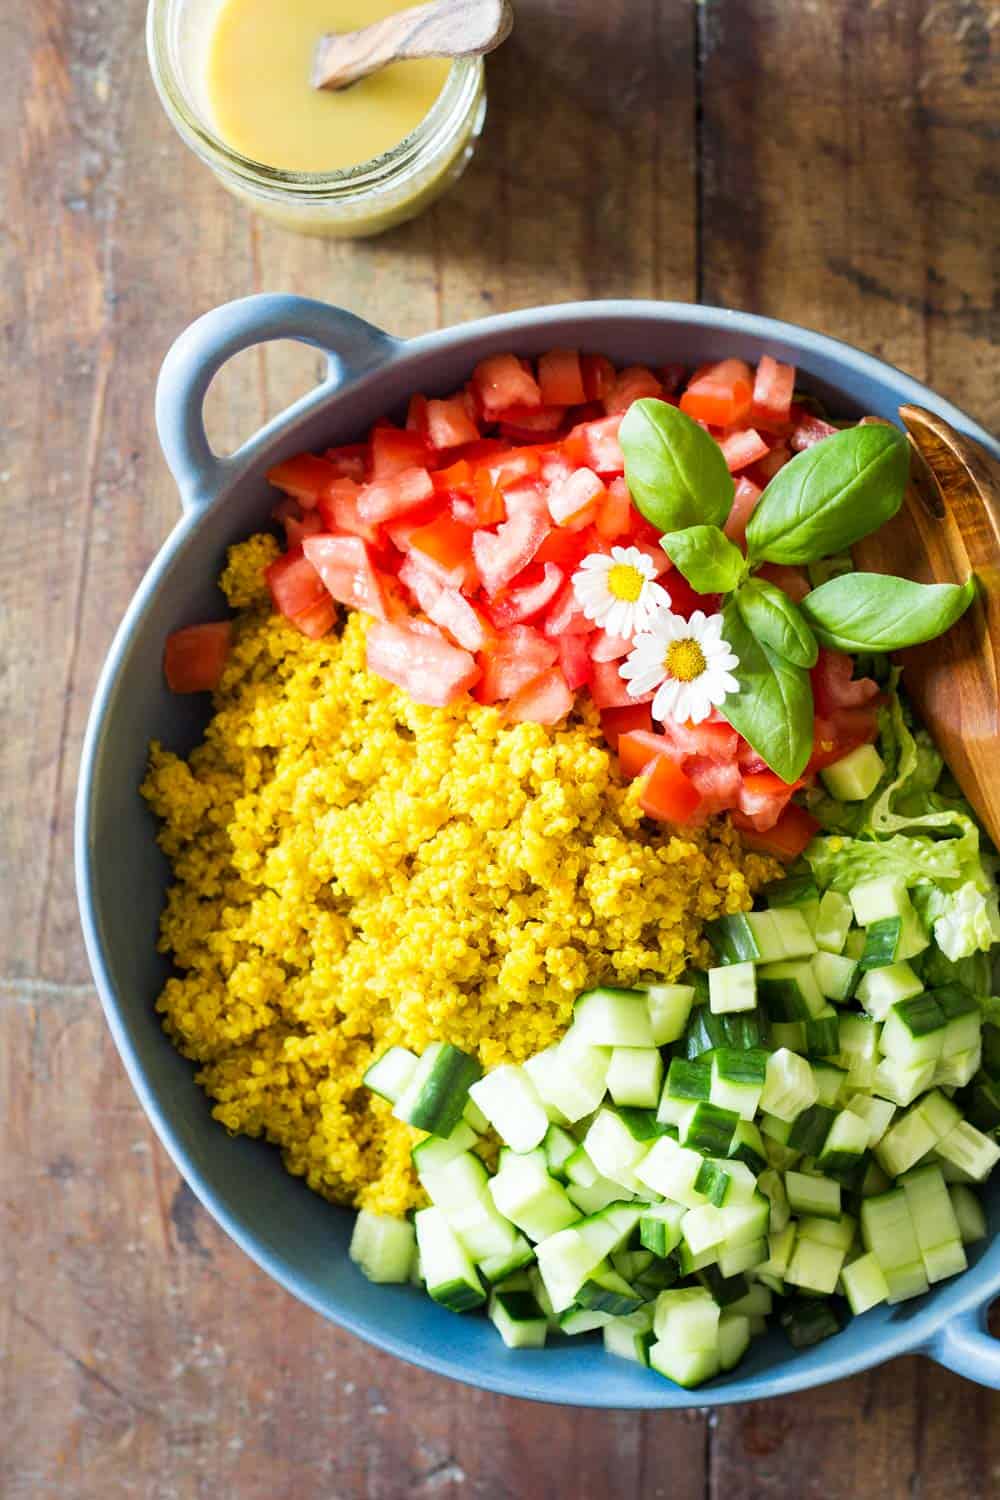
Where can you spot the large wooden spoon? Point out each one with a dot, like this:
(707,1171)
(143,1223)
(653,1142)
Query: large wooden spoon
(445,28)
(949,527)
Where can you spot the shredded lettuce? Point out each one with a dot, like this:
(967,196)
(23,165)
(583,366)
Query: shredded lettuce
(912,828)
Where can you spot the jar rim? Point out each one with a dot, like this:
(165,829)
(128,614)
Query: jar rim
(459,94)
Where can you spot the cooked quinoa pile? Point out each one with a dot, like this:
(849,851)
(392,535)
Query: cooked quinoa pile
(354,870)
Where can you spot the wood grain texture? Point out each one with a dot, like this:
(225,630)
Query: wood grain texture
(830,161)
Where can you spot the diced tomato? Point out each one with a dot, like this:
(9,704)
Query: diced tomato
(712,739)
(449,424)
(350,460)
(614,512)
(446,607)
(610,690)
(791,834)
(427,667)
(565,548)
(294,583)
(808,429)
(790,580)
(338,509)
(384,498)
(638,748)
(523,424)
(632,384)
(574,660)
(834,685)
(764,471)
(394,451)
(501,382)
(447,545)
(400,528)
(744,502)
(683,599)
(565,617)
(596,445)
(574,503)
(618,721)
(598,376)
(717,784)
(604,647)
(772,394)
(318,619)
(502,554)
(347,569)
(456,479)
(560,378)
(742,447)
(508,469)
(513,660)
(667,794)
(546,700)
(194,656)
(305,477)
(529,594)
(298,523)
(422,585)
(529,496)
(416,415)
(489,506)
(672,378)
(835,737)
(720,394)
(763,797)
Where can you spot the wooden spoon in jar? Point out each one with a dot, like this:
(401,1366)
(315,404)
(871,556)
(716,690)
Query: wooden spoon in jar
(446,28)
(947,528)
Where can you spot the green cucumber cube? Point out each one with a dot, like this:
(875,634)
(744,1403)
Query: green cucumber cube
(733,988)
(856,776)
(635,1076)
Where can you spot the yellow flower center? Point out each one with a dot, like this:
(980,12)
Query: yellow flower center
(685,660)
(625,582)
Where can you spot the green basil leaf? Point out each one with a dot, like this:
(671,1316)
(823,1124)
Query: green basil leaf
(707,558)
(777,621)
(676,473)
(774,708)
(830,496)
(875,612)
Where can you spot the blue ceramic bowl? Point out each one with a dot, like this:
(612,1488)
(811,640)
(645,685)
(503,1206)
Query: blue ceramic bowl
(296,1236)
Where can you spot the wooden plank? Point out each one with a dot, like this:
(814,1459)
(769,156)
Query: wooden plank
(849,179)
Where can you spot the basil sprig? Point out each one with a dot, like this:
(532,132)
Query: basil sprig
(773,709)
(874,612)
(777,622)
(675,471)
(830,496)
(819,504)
(710,562)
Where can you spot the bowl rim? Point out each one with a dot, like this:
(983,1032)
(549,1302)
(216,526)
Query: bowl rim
(914,1334)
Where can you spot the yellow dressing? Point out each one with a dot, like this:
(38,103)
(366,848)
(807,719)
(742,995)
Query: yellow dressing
(257,80)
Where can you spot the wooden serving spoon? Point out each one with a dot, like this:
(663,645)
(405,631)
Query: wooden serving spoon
(947,528)
(446,28)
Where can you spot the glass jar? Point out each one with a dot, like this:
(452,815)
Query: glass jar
(349,203)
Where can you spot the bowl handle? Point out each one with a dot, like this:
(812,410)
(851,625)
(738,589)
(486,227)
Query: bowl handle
(966,1346)
(352,347)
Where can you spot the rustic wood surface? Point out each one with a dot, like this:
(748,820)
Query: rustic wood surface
(829,161)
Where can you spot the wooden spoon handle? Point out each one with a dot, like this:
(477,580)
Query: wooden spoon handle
(445,28)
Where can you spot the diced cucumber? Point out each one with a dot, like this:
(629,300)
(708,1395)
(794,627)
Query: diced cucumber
(526,1195)
(837,1232)
(503,1268)
(642,1124)
(982,1104)
(568,1258)
(635,1076)
(814,1266)
(437,1151)
(794,935)
(859,1053)
(672,1170)
(734,1338)
(597,1195)
(623,1338)
(780,1246)
(448,1272)
(874,900)
(484,1232)
(510,1101)
(810,1129)
(558,1146)
(576,1320)
(748,1147)
(613,1149)
(744,1222)
(808,1321)
(518,1319)
(789,1086)
(845,1144)
(605,1291)
(964,1018)
(687,1317)
(880,989)
(437,1091)
(669,1007)
(685,1367)
(790,1034)
(571,1078)
(793,890)
(789,991)
(741,1030)
(967,1148)
(733,988)
(968,1213)
(737,1080)
(856,776)
(864,1284)
(822,1034)
(687,1084)
(836,976)
(736,939)
(833,922)
(958,1070)
(831,1082)
(756,1302)
(817,1196)
(610,1017)
(475,1119)
(735,1259)
(451,1183)
(854,943)
(709,1128)
(902,1084)
(916,1133)
(875,1112)
(771,1184)
(390,1073)
(914,1031)
(702,1228)
(882,944)
(382,1247)
(660,1227)
(887,1229)
(938,1234)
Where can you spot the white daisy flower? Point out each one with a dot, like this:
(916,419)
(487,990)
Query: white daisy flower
(619,592)
(687,661)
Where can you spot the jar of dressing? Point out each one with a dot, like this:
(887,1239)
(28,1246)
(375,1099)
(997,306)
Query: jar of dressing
(233,76)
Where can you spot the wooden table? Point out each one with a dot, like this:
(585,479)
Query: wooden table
(829,161)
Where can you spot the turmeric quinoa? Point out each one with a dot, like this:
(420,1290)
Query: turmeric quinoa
(354,870)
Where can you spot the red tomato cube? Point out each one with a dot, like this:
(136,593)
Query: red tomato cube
(426,666)
(501,382)
(194,656)
(560,378)
(502,554)
(385,498)
(347,569)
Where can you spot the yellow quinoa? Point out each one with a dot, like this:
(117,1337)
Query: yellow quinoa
(354,870)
